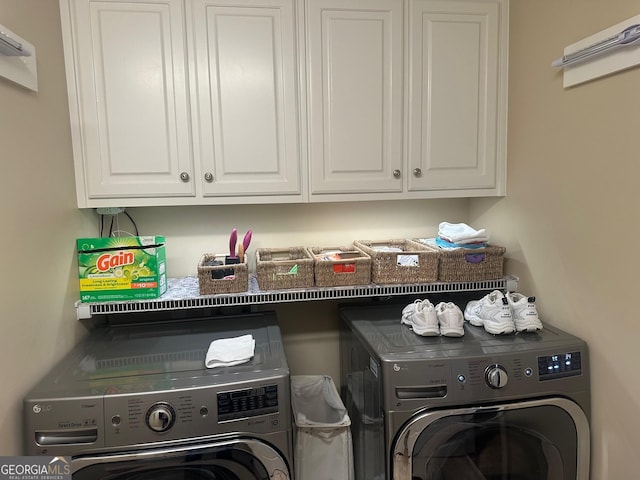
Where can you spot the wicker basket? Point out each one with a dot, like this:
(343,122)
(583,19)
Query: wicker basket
(215,279)
(284,268)
(341,266)
(470,265)
(416,263)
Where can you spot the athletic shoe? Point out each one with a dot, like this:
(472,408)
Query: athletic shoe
(450,319)
(491,312)
(408,310)
(421,317)
(524,312)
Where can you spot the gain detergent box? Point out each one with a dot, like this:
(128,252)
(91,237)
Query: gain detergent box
(121,268)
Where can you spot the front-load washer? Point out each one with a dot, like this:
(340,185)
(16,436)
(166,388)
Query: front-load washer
(137,402)
(476,407)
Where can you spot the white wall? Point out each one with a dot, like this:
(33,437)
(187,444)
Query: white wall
(192,231)
(38,283)
(570,220)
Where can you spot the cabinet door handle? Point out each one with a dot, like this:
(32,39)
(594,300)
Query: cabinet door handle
(184,176)
(417,172)
(397,173)
(208,177)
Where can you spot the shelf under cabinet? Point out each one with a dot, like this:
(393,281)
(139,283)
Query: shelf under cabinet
(183,293)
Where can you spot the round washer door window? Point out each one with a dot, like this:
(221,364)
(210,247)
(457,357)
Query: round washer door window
(234,460)
(537,440)
(493,451)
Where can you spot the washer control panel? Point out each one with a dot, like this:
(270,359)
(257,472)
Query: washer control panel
(559,365)
(260,407)
(248,402)
(505,374)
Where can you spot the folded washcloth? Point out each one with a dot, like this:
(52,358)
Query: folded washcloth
(442,243)
(230,351)
(461,233)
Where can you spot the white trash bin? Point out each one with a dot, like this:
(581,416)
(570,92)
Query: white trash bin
(322,435)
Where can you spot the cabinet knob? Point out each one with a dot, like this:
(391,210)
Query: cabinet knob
(397,173)
(184,176)
(208,177)
(417,172)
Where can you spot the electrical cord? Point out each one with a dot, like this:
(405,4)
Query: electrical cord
(132,222)
(117,225)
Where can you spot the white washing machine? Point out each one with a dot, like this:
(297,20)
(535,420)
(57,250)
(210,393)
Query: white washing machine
(136,402)
(477,407)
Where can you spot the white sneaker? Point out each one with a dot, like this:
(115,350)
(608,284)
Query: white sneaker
(450,319)
(524,312)
(408,310)
(421,317)
(491,312)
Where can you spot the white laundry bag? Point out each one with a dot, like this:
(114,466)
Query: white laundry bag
(323,446)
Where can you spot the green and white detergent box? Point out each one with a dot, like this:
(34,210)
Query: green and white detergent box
(121,268)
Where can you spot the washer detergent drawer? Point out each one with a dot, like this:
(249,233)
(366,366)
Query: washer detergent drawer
(530,440)
(238,459)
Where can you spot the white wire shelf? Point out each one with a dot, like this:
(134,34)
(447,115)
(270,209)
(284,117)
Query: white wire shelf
(183,293)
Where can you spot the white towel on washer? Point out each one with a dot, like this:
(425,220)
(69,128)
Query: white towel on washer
(226,352)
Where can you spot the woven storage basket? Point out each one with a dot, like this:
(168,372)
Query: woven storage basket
(351,267)
(470,265)
(283,268)
(234,278)
(386,267)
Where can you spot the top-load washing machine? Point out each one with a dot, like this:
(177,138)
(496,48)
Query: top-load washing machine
(476,407)
(136,402)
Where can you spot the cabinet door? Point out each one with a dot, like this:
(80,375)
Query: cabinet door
(245,54)
(457,95)
(131,120)
(354,54)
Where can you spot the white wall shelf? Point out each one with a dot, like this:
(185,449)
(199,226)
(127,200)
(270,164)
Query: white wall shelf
(183,294)
(18,60)
(611,50)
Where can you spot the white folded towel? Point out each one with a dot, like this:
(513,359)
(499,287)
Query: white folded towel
(226,352)
(461,233)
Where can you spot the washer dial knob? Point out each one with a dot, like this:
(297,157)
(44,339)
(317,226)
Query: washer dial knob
(161,417)
(496,376)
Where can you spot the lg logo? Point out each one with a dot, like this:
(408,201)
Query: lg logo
(41,408)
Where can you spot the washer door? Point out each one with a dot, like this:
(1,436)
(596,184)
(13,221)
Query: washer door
(536,440)
(230,460)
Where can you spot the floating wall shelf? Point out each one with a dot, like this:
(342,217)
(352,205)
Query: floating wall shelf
(18,59)
(613,49)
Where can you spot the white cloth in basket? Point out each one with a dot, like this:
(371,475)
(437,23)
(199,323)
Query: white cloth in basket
(461,233)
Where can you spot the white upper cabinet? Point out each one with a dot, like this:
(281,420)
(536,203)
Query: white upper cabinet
(456,95)
(354,55)
(407,99)
(196,102)
(183,102)
(126,72)
(246,97)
